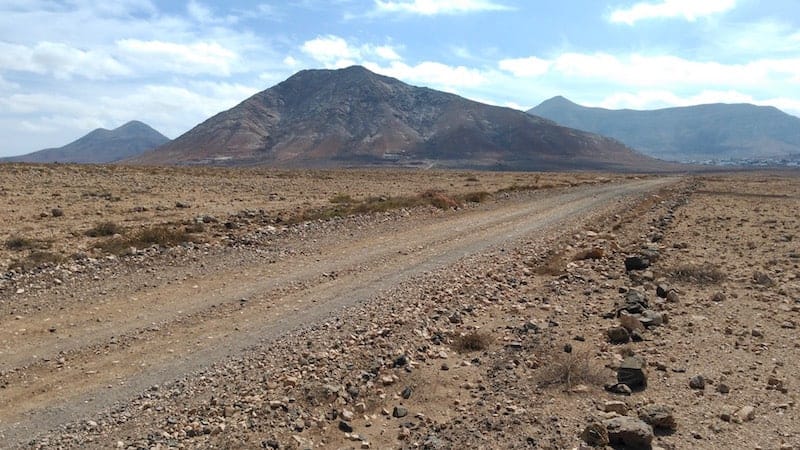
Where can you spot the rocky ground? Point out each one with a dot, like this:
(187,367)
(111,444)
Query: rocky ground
(665,319)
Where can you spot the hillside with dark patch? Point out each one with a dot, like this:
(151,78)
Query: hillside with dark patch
(353,117)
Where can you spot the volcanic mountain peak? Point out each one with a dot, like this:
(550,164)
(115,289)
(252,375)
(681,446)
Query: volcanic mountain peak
(353,116)
(101,146)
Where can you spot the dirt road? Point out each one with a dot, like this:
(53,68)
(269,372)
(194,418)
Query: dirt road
(85,346)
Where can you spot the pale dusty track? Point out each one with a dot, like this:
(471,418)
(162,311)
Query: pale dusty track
(142,329)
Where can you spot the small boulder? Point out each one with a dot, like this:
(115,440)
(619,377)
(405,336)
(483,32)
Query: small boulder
(659,417)
(618,335)
(595,435)
(630,432)
(697,382)
(631,373)
(636,263)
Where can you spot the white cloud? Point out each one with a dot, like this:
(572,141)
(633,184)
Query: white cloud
(291,62)
(689,10)
(525,67)
(336,52)
(195,58)
(436,7)
(59,60)
(433,74)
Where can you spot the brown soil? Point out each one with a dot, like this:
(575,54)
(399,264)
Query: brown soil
(270,335)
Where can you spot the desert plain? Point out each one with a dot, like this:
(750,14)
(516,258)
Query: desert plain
(147,307)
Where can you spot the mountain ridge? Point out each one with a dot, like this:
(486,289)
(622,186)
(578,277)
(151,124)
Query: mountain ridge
(100,146)
(354,117)
(717,131)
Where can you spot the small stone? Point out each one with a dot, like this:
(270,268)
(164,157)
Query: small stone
(631,373)
(718,297)
(636,263)
(407,391)
(697,382)
(746,413)
(723,388)
(629,431)
(347,415)
(659,416)
(618,335)
(756,333)
(399,412)
(616,406)
(345,427)
(619,388)
(595,434)
(673,297)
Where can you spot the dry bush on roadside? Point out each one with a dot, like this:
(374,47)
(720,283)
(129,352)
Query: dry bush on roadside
(571,369)
(474,341)
(104,229)
(697,273)
(476,197)
(158,235)
(555,264)
(37,259)
(439,199)
(591,253)
(342,198)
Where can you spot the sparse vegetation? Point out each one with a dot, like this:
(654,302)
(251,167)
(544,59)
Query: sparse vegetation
(341,198)
(571,369)
(158,235)
(18,243)
(697,273)
(37,259)
(476,197)
(104,229)
(591,253)
(473,341)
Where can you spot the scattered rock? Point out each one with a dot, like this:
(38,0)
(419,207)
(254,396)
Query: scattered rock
(629,431)
(697,382)
(659,417)
(618,335)
(345,427)
(631,373)
(746,413)
(616,406)
(595,434)
(636,263)
(399,412)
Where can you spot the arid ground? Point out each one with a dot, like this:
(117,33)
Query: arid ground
(216,308)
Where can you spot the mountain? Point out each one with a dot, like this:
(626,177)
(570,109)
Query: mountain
(100,146)
(353,117)
(714,131)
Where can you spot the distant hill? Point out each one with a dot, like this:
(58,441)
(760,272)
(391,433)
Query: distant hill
(353,117)
(100,146)
(714,131)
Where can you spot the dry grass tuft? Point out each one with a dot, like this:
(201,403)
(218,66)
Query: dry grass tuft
(158,235)
(473,341)
(37,259)
(104,229)
(697,273)
(19,243)
(476,197)
(571,369)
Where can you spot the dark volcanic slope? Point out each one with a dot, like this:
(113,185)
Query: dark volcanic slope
(101,146)
(348,117)
(716,131)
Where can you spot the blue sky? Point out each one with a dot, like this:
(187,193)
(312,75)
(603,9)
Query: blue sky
(69,66)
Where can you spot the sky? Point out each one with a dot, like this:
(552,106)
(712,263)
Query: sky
(70,66)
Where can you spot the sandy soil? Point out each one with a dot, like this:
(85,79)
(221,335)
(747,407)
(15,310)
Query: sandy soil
(317,335)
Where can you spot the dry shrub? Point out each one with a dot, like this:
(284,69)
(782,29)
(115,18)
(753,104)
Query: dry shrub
(19,243)
(591,253)
(104,229)
(571,369)
(555,264)
(473,341)
(439,199)
(342,198)
(697,273)
(158,235)
(476,197)
(37,259)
